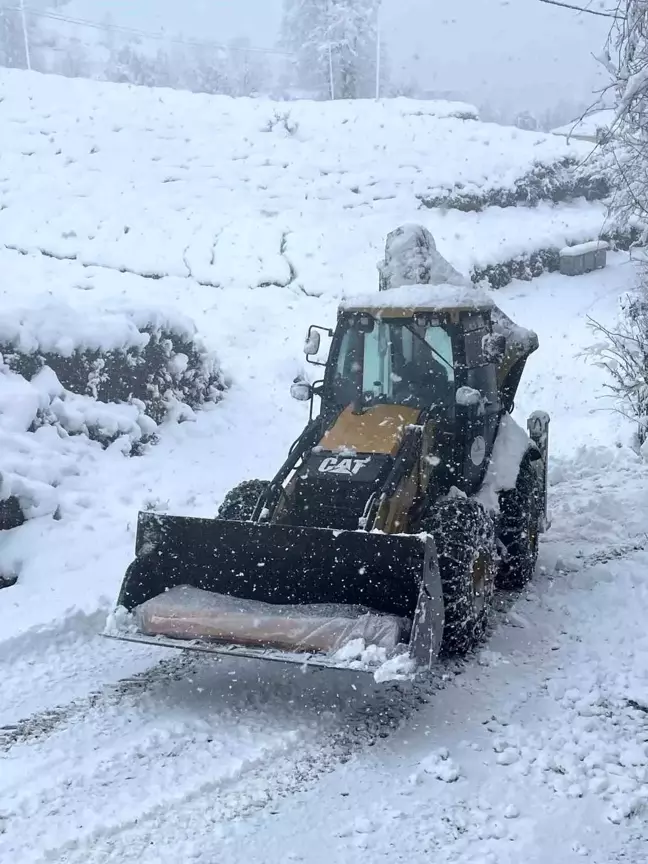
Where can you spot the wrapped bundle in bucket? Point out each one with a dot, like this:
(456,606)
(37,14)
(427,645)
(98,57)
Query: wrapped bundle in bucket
(185,612)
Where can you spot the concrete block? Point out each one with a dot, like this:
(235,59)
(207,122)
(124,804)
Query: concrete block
(583,258)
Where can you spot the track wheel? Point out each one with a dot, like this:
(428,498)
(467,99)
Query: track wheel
(239,503)
(464,535)
(521,514)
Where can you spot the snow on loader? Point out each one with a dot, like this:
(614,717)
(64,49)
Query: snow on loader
(399,507)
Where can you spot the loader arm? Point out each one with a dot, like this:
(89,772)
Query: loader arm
(267,503)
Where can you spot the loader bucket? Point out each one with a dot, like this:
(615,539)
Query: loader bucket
(291,566)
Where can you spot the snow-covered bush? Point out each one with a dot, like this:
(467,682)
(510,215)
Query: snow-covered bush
(71,383)
(527,267)
(142,356)
(39,421)
(557,182)
(41,427)
(524,267)
(623,353)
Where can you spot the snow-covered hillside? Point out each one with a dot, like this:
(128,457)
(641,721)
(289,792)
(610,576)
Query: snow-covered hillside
(114,200)
(167,183)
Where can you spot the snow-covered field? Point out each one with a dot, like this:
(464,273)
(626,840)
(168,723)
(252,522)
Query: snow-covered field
(236,193)
(537,749)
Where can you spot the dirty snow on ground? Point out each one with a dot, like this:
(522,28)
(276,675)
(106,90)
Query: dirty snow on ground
(536,749)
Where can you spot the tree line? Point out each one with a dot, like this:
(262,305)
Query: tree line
(331,51)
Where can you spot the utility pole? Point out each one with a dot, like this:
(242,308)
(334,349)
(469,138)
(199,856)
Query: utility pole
(378,52)
(23,16)
(331,79)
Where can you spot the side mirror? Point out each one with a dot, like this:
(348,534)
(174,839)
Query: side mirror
(494,347)
(312,344)
(470,400)
(301,390)
(470,406)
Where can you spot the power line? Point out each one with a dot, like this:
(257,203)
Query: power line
(584,9)
(132,31)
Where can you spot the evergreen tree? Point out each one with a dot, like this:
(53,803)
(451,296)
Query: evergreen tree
(129,66)
(248,72)
(335,43)
(73,62)
(526,120)
(304,33)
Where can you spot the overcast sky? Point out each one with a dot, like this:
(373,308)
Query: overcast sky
(514,53)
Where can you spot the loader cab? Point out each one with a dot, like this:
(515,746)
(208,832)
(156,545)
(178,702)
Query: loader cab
(392,361)
(436,367)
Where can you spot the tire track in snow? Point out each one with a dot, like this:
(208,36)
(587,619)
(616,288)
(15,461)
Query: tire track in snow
(141,768)
(615,553)
(44,723)
(257,788)
(64,664)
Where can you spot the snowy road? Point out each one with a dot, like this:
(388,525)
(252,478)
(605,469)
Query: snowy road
(164,748)
(536,751)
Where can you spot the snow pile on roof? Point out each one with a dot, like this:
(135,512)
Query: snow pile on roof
(432,298)
(414,275)
(584,248)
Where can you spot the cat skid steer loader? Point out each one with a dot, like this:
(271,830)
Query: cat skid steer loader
(399,507)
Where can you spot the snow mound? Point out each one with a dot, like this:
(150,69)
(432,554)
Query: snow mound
(439,765)
(412,258)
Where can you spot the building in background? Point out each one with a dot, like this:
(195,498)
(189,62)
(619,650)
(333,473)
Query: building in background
(592,127)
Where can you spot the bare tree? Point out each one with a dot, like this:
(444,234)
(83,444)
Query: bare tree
(626,142)
(623,350)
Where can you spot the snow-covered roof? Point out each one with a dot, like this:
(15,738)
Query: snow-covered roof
(584,248)
(423,298)
(586,127)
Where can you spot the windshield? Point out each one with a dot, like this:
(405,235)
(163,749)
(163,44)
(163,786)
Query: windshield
(398,362)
